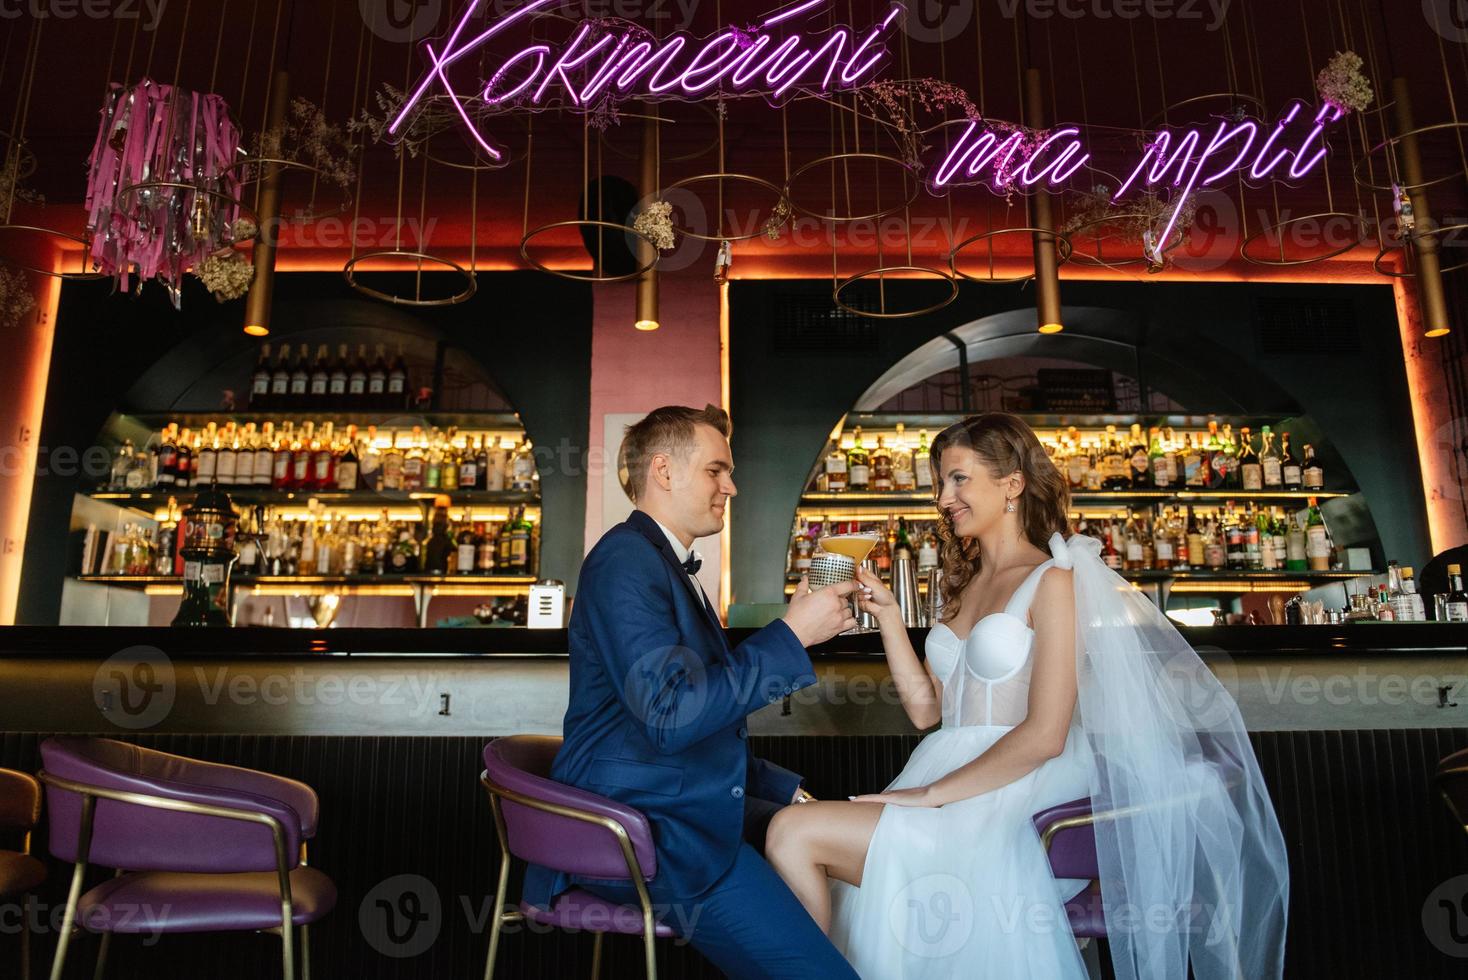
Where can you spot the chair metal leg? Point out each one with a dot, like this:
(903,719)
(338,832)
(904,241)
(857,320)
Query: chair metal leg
(305,952)
(288,953)
(648,949)
(497,915)
(596,956)
(25,937)
(102,948)
(78,876)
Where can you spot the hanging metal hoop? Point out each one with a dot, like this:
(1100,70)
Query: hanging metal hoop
(248,177)
(880,271)
(26,164)
(1080,233)
(481,165)
(1063,250)
(1378,263)
(1277,231)
(349,272)
(1233,99)
(695,154)
(81,275)
(909,175)
(1389,144)
(759,182)
(222,199)
(592,277)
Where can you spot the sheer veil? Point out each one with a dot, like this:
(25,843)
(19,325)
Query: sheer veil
(1193,868)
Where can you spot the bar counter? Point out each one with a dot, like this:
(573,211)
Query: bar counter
(388,726)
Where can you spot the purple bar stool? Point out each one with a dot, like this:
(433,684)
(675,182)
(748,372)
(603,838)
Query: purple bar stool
(1452,782)
(20,873)
(566,829)
(197,846)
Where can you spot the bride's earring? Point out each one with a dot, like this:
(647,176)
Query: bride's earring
(1009,506)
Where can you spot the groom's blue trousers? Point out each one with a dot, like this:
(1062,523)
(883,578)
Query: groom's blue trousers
(748,923)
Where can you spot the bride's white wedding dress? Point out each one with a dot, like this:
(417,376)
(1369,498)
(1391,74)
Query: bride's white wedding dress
(964,891)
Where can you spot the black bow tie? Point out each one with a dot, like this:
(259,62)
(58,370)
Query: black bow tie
(693,564)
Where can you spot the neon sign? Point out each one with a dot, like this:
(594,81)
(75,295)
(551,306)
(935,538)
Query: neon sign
(615,60)
(618,60)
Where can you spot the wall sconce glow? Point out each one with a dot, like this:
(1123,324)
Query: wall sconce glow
(615,60)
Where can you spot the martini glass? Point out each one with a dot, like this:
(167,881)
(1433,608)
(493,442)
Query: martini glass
(856,547)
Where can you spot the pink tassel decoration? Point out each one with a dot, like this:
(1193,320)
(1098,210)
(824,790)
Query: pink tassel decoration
(149,133)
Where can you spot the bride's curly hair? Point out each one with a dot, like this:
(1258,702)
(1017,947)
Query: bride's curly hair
(1004,444)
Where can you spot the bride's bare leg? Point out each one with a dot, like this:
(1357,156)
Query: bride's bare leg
(809,842)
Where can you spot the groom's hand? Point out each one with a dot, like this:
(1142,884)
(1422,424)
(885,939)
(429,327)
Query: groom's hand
(815,617)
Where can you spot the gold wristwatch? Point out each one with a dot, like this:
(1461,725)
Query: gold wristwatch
(801,796)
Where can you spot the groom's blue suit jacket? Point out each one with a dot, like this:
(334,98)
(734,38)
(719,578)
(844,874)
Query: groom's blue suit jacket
(657,710)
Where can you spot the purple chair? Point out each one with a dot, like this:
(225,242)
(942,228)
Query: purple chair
(1452,782)
(557,826)
(197,846)
(20,873)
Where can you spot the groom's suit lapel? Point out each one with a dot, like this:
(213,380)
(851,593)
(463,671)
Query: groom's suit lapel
(650,530)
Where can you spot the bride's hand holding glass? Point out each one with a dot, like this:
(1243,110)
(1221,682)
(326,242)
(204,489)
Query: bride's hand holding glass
(873,596)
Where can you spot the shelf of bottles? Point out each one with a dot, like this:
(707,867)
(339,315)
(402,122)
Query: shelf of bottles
(342,485)
(1179,500)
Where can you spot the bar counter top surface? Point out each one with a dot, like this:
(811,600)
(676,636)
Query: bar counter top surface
(88,642)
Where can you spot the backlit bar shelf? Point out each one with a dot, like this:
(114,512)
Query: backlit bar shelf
(148,500)
(404,585)
(884,500)
(1211,581)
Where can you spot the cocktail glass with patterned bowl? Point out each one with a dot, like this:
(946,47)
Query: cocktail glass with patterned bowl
(837,561)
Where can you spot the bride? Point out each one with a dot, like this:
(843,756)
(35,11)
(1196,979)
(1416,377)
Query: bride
(1053,680)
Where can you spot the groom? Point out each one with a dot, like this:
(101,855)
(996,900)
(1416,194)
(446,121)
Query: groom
(658,704)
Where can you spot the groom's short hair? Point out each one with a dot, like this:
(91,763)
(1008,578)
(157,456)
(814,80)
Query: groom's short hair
(670,429)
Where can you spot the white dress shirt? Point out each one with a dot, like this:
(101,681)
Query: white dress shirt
(681,553)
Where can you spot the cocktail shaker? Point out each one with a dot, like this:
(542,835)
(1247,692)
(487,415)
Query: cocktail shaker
(904,587)
(935,596)
(864,619)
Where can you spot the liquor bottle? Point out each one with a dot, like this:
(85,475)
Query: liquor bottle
(263,472)
(1075,461)
(801,548)
(301,456)
(369,462)
(1139,471)
(922,467)
(403,558)
(1133,554)
(904,480)
(1289,467)
(1312,475)
(377,380)
(349,465)
(494,471)
(858,466)
(1457,604)
(433,462)
(414,462)
(1317,540)
(320,382)
(439,545)
(185,462)
(1229,463)
(1416,611)
(486,550)
(1109,554)
(397,382)
(1233,539)
(244,474)
(1251,469)
(519,529)
(167,457)
(356,396)
(1170,454)
(1270,460)
(300,380)
(836,480)
(1157,462)
(208,455)
(227,464)
(1296,559)
(260,381)
(1162,544)
(465,546)
(1194,464)
(1114,474)
(336,386)
(882,467)
(1197,556)
(469,465)
(280,380)
(280,466)
(928,551)
(481,466)
(522,469)
(449,477)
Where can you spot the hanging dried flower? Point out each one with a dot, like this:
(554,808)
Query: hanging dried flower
(1137,220)
(656,222)
(227,274)
(16,300)
(896,103)
(308,138)
(1342,84)
(12,192)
